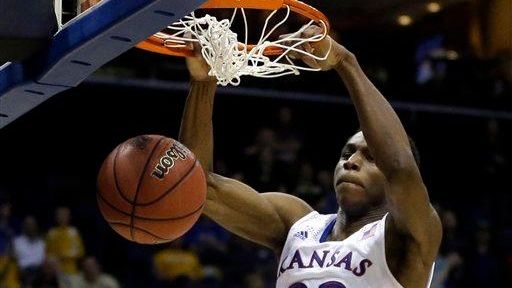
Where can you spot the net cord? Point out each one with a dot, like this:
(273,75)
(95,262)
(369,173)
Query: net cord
(229,59)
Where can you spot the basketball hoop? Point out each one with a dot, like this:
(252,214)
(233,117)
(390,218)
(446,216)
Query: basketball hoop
(227,56)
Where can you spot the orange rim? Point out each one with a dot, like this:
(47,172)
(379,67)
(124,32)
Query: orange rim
(155,44)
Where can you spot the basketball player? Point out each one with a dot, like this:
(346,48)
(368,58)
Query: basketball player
(385,234)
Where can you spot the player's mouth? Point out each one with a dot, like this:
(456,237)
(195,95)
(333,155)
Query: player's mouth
(349,180)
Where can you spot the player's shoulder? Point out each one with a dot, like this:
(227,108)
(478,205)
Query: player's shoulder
(314,222)
(316,217)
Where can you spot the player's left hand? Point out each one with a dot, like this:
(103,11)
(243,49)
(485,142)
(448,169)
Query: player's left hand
(337,53)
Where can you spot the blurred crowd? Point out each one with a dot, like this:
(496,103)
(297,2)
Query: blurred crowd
(29,258)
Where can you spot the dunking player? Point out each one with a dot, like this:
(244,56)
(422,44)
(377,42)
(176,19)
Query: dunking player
(385,234)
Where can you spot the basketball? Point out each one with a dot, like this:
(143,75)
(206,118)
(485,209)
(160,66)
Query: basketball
(151,189)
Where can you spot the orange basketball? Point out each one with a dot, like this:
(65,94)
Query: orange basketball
(151,189)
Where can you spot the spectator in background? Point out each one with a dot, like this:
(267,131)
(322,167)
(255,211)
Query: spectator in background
(306,188)
(482,262)
(64,242)
(93,277)
(452,240)
(8,269)
(494,153)
(261,260)
(9,277)
(500,76)
(210,242)
(287,158)
(327,203)
(264,140)
(287,132)
(285,127)
(261,163)
(50,275)
(255,280)
(176,266)
(29,250)
(445,265)
(449,262)
(289,145)
(7,229)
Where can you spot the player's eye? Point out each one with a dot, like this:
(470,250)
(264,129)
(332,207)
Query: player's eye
(345,155)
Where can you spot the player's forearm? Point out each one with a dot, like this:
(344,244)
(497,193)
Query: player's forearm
(196,130)
(382,129)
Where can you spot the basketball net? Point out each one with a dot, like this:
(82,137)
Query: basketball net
(229,59)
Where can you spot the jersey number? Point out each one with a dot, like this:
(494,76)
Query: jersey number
(330,284)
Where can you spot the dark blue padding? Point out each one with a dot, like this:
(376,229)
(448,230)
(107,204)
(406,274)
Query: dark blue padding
(81,47)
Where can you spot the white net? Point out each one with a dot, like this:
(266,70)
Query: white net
(57,5)
(229,59)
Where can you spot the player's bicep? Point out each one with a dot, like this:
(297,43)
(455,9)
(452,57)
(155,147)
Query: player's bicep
(288,207)
(263,218)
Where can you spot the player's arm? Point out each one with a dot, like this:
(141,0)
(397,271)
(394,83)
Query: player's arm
(412,214)
(264,218)
(411,211)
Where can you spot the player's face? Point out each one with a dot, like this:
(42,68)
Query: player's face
(358,182)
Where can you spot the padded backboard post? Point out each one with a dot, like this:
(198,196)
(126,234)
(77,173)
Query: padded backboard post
(82,46)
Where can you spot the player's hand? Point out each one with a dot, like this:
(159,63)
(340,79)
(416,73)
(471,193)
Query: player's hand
(86,4)
(336,52)
(197,66)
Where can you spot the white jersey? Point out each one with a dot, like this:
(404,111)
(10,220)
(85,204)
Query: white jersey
(359,261)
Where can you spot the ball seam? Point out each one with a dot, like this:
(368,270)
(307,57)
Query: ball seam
(141,177)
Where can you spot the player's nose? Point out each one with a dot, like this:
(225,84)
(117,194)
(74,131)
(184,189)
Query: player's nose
(353,163)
